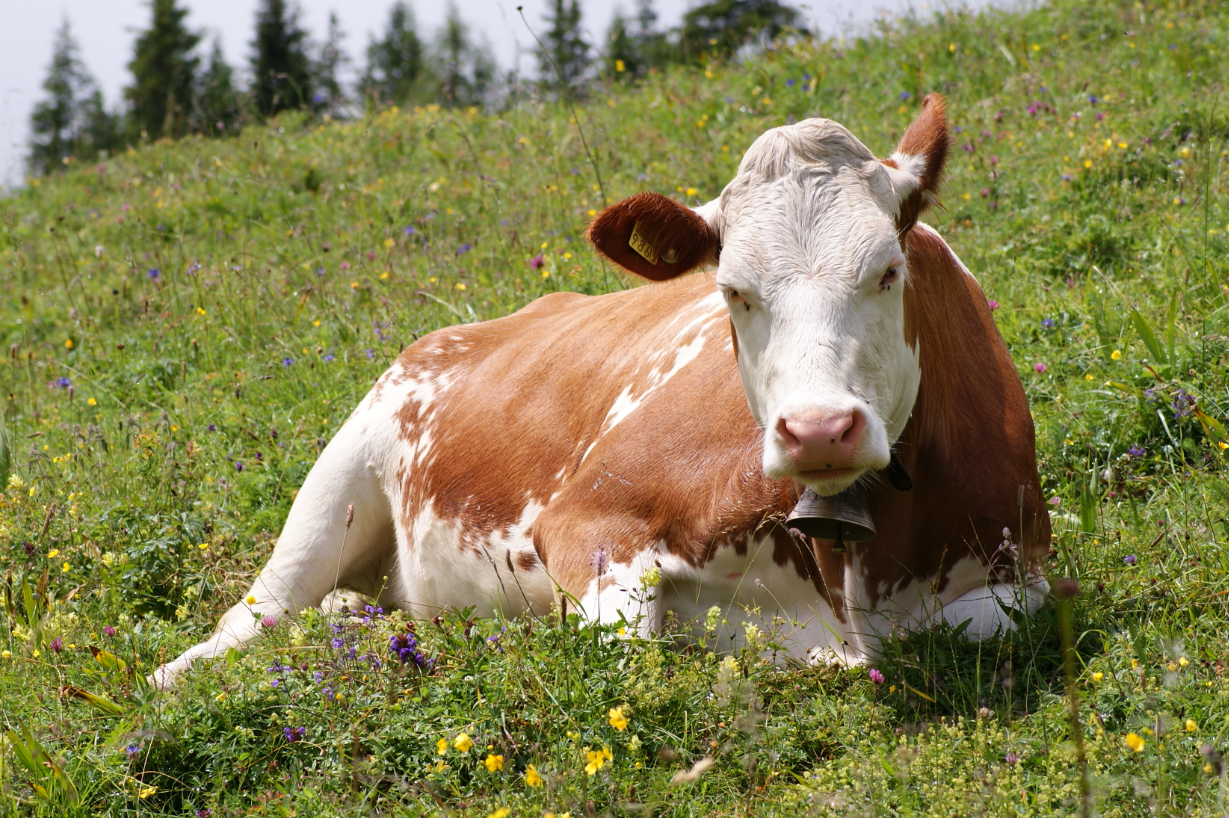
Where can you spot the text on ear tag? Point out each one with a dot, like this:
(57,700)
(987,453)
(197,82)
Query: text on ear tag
(642,245)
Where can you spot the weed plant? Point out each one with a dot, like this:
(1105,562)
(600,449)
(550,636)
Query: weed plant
(184,327)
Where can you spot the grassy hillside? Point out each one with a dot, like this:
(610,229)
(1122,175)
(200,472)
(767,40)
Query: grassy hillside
(186,325)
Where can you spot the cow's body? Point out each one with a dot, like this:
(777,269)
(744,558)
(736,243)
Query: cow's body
(584,441)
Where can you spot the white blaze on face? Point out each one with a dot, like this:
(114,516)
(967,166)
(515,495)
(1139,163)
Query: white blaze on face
(812,271)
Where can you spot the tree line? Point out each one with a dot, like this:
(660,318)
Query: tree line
(180,88)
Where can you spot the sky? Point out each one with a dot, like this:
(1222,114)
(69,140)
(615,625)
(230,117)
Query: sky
(106,29)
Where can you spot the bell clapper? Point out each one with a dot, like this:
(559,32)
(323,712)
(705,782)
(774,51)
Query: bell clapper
(838,545)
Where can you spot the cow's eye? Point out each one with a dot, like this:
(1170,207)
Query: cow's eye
(736,298)
(889,278)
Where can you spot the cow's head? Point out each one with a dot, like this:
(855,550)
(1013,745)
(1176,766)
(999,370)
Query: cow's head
(808,241)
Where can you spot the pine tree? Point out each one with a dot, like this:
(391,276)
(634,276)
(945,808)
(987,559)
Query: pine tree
(281,67)
(72,121)
(395,68)
(163,72)
(622,58)
(565,47)
(720,28)
(333,60)
(217,105)
(466,71)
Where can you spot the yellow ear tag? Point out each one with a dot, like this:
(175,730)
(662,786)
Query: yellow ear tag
(642,245)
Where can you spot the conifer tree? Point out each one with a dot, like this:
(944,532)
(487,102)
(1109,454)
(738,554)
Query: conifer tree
(395,68)
(330,95)
(218,105)
(622,57)
(465,70)
(72,121)
(281,66)
(718,29)
(565,47)
(163,70)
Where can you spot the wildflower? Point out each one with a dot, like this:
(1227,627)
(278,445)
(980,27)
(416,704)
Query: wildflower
(464,248)
(1098,676)
(1011,758)
(154,273)
(294,734)
(532,778)
(1135,451)
(596,759)
(1039,367)
(132,750)
(269,621)
(211,428)
(329,357)
(876,676)
(620,66)
(56,645)
(617,720)
(251,600)
(1191,726)
(992,304)
(494,763)
(502,812)
(286,362)
(1048,323)
(441,747)
(536,262)
(345,265)
(146,792)
(463,743)
(205,813)
(238,466)
(1135,742)
(409,231)
(65,383)
(905,95)
(1130,559)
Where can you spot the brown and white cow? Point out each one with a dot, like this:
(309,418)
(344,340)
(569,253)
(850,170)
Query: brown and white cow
(584,442)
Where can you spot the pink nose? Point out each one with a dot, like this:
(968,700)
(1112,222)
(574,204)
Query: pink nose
(825,442)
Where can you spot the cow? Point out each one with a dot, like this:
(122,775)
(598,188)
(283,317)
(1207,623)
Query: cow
(637,453)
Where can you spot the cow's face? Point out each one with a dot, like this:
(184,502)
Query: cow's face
(808,243)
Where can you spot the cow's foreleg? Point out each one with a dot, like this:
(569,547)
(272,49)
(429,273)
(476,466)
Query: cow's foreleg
(322,547)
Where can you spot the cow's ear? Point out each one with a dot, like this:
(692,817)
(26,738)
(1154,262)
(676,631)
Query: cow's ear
(921,154)
(654,237)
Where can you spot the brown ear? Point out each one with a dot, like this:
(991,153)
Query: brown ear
(654,237)
(922,151)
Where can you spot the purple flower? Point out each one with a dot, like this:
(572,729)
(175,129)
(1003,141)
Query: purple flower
(56,645)
(905,95)
(328,693)
(1183,404)
(409,231)
(294,734)
(1056,500)
(211,428)
(286,362)
(876,676)
(64,383)
(1011,758)
(1130,559)
(1135,451)
(464,248)
(269,621)
(992,304)
(132,750)
(371,353)
(206,813)
(1048,323)
(329,357)
(108,631)
(536,262)
(238,466)
(1092,98)
(338,643)
(1039,367)
(154,272)
(318,98)
(789,83)
(1066,177)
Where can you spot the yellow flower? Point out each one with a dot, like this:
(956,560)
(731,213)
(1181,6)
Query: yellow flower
(532,778)
(619,66)
(146,792)
(502,812)
(1191,726)
(1088,377)
(6,655)
(251,600)
(617,720)
(463,742)
(494,763)
(596,759)
(53,553)
(1098,676)
(691,191)
(389,242)
(441,746)
(460,285)
(68,343)
(92,402)
(200,310)
(1116,355)
(65,568)
(951,47)
(1135,742)
(1184,661)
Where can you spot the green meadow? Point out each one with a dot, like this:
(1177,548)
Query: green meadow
(185,325)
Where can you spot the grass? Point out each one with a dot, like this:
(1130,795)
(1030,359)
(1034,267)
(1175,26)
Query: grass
(184,326)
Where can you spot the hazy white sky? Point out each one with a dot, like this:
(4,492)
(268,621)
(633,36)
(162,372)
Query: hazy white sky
(106,29)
